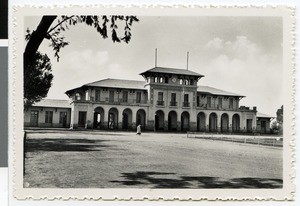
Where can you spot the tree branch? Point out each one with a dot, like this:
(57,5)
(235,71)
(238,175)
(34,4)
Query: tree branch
(59,24)
(53,40)
(37,37)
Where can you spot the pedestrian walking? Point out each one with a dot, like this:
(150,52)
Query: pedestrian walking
(139,130)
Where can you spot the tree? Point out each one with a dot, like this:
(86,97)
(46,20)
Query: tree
(279,118)
(279,114)
(274,125)
(102,25)
(38,79)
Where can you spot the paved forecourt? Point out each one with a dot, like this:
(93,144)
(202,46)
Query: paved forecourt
(89,159)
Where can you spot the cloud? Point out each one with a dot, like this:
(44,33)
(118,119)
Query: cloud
(241,47)
(215,43)
(77,68)
(245,69)
(86,58)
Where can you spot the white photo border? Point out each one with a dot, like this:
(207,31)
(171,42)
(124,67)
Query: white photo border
(16,80)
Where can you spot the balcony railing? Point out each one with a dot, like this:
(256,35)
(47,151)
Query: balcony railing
(216,107)
(186,104)
(160,103)
(115,102)
(172,103)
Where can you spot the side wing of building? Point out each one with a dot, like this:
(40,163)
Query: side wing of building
(48,113)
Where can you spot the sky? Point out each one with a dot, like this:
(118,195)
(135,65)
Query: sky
(238,54)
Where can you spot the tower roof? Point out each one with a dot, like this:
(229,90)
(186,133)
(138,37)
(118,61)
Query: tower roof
(165,70)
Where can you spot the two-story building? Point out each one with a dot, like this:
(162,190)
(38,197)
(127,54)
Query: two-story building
(168,100)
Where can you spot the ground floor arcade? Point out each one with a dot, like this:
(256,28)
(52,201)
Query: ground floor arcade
(205,121)
(122,117)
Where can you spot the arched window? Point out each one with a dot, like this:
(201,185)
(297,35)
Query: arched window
(186,82)
(77,96)
(161,80)
(86,95)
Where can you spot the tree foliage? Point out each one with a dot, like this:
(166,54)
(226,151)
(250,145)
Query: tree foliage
(279,115)
(45,30)
(38,79)
(102,25)
(279,119)
(276,125)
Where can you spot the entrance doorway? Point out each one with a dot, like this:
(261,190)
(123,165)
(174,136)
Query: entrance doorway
(63,119)
(201,125)
(98,118)
(249,125)
(141,118)
(34,118)
(224,123)
(127,119)
(172,121)
(81,119)
(213,122)
(159,120)
(263,126)
(113,118)
(235,123)
(185,121)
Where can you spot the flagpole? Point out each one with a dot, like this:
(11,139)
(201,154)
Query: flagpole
(187,61)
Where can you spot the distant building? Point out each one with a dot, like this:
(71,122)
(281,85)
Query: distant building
(168,100)
(48,113)
(263,123)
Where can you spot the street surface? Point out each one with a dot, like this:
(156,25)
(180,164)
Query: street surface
(89,159)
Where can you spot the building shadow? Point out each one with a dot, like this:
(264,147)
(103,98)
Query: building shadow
(63,145)
(159,180)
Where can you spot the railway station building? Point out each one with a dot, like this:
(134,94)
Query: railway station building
(167,100)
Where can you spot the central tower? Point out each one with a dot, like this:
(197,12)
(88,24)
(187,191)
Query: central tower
(171,92)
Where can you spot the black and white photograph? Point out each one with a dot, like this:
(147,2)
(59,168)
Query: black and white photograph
(138,101)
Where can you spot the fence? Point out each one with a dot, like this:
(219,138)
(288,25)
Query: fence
(274,141)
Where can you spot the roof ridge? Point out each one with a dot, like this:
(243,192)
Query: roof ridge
(61,103)
(54,99)
(170,70)
(95,81)
(212,87)
(113,79)
(220,90)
